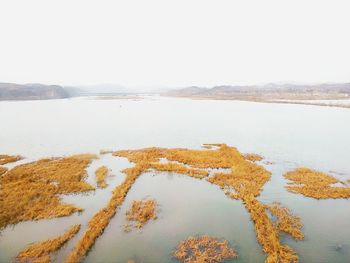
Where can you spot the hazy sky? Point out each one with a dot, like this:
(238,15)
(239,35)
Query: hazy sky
(174,43)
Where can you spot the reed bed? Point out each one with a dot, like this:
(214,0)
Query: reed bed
(178,168)
(286,221)
(101,174)
(267,234)
(223,157)
(204,249)
(31,191)
(140,212)
(101,219)
(40,252)
(315,184)
(253,157)
(4,158)
(244,182)
(245,178)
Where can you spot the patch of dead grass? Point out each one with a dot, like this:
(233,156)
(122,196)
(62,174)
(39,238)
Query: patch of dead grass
(31,191)
(244,182)
(141,211)
(204,249)
(101,219)
(315,184)
(40,252)
(4,158)
(253,157)
(101,174)
(3,170)
(286,222)
(267,233)
(179,168)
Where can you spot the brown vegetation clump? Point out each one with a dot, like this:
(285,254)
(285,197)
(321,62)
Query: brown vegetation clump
(101,219)
(204,249)
(4,158)
(31,191)
(245,178)
(142,211)
(179,168)
(267,234)
(3,170)
(223,157)
(315,184)
(253,157)
(244,182)
(286,222)
(101,174)
(40,252)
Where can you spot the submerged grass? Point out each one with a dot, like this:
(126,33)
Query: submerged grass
(315,184)
(141,211)
(204,249)
(101,174)
(4,158)
(31,191)
(40,252)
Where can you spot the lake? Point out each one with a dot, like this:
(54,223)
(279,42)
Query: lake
(286,135)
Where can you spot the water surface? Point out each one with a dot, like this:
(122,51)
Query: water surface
(285,134)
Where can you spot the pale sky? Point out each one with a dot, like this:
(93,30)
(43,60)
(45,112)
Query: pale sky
(174,43)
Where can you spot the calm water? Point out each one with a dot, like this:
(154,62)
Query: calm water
(287,135)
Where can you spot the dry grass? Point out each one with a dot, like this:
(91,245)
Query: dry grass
(141,212)
(4,158)
(267,234)
(253,157)
(286,221)
(40,252)
(101,174)
(204,249)
(178,168)
(30,191)
(315,184)
(246,178)
(244,182)
(3,170)
(101,219)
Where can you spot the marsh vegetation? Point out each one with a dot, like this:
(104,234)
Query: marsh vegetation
(40,252)
(140,212)
(32,191)
(101,174)
(311,183)
(204,249)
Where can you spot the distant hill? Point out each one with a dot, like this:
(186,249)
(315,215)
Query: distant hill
(11,91)
(267,92)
